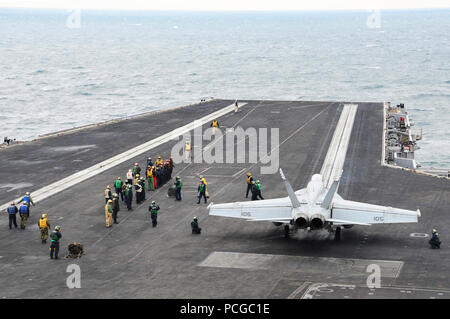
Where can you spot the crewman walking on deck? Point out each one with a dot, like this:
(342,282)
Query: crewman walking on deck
(178,184)
(44,226)
(206,185)
(201,192)
(55,237)
(108,213)
(115,207)
(12,212)
(249,184)
(118,186)
(24,212)
(153,209)
(108,194)
(258,190)
(129,197)
(194,226)
(27,198)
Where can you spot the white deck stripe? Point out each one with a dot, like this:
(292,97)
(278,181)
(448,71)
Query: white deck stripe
(96,169)
(339,267)
(335,158)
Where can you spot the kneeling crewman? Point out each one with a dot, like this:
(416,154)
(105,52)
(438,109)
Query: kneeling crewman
(435,242)
(194,226)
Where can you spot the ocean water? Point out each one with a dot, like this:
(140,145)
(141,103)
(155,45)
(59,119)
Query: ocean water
(118,64)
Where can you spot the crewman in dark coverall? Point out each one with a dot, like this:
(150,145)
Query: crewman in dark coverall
(129,197)
(194,226)
(12,212)
(254,190)
(435,242)
(55,237)
(115,207)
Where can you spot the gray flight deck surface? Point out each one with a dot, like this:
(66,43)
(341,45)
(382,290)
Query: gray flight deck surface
(231,258)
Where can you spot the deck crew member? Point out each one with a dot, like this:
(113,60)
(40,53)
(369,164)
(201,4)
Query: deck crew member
(149,162)
(27,198)
(187,151)
(254,190)
(108,194)
(115,207)
(118,186)
(258,190)
(178,184)
(159,161)
(249,184)
(138,188)
(129,197)
(24,212)
(194,226)
(206,185)
(214,125)
(142,183)
(136,170)
(44,226)
(12,212)
(435,242)
(54,246)
(153,209)
(201,191)
(130,177)
(151,183)
(108,213)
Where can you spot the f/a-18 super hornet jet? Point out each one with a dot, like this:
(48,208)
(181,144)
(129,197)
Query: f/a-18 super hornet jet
(314,207)
(318,206)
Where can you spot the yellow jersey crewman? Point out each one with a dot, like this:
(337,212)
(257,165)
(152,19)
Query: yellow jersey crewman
(44,226)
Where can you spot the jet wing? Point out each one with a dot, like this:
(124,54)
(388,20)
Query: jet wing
(350,212)
(275,210)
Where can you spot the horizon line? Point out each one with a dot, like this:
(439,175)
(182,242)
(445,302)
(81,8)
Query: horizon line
(219,10)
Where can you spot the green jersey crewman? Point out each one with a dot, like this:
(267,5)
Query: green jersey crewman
(153,209)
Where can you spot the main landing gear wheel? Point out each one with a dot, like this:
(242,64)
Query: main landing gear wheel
(286,231)
(337,234)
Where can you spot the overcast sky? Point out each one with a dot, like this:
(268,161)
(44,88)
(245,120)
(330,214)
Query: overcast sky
(221,5)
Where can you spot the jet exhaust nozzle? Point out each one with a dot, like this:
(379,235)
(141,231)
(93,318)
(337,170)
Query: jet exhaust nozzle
(317,221)
(302,221)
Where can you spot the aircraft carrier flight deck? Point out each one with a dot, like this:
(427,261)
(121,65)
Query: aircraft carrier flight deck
(231,258)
